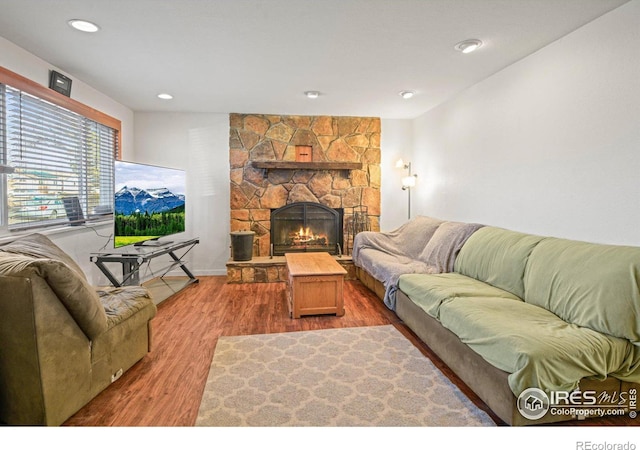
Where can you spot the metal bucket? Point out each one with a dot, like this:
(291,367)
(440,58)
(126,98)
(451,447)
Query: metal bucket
(242,245)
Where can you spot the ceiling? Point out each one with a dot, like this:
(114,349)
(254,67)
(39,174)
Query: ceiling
(261,55)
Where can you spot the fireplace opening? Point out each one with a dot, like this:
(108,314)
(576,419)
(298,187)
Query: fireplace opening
(306,227)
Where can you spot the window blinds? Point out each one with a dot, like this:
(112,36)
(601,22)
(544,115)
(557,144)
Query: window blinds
(56,154)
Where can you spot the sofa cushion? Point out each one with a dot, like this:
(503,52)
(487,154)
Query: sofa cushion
(445,244)
(120,303)
(535,346)
(591,285)
(498,257)
(429,292)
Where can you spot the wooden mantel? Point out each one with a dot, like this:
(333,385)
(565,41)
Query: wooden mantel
(316,165)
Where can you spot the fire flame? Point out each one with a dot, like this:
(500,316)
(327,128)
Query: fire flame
(306,235)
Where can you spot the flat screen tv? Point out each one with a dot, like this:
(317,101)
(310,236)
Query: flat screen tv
(149,203)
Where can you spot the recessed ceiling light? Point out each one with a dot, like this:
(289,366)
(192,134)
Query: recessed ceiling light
(312,94)
(165,96)
(406,94)
(468,46)
(83,25)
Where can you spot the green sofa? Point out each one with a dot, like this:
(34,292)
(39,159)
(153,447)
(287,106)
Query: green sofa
(62,341)
(520,311)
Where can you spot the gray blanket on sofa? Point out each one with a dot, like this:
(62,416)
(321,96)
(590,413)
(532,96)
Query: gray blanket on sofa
(422,245)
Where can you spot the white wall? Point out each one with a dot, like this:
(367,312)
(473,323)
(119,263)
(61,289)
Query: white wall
(549,145)
(199,144)
(395,143)
(79,242)
(30,66)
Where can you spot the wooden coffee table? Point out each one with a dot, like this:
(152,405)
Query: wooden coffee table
(315,284)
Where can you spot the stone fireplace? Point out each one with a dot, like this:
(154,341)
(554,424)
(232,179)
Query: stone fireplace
(277,160)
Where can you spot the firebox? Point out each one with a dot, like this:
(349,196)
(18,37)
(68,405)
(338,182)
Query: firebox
(306,227)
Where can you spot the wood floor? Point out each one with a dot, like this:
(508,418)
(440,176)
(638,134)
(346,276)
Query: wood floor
(165,387)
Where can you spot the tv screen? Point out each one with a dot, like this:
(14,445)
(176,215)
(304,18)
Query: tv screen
(149,203)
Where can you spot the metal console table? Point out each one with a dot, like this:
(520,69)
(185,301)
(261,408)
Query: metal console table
(133,257)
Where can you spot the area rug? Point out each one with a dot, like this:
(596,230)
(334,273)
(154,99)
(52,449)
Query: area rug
(367,376)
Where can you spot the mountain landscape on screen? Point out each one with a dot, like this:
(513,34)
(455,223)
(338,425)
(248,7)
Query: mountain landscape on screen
(132,199)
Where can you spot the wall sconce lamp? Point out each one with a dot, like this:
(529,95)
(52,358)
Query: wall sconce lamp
(407,182)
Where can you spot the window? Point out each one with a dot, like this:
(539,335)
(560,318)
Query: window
(57,153)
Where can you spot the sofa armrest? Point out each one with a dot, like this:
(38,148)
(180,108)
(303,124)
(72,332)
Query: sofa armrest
(19,371)
(45,364)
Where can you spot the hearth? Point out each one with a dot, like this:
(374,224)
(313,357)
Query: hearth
(306,227)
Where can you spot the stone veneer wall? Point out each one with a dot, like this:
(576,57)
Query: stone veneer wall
(262,137)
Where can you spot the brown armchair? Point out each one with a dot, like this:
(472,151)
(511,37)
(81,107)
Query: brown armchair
(62,341)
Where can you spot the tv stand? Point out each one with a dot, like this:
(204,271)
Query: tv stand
(134,257)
